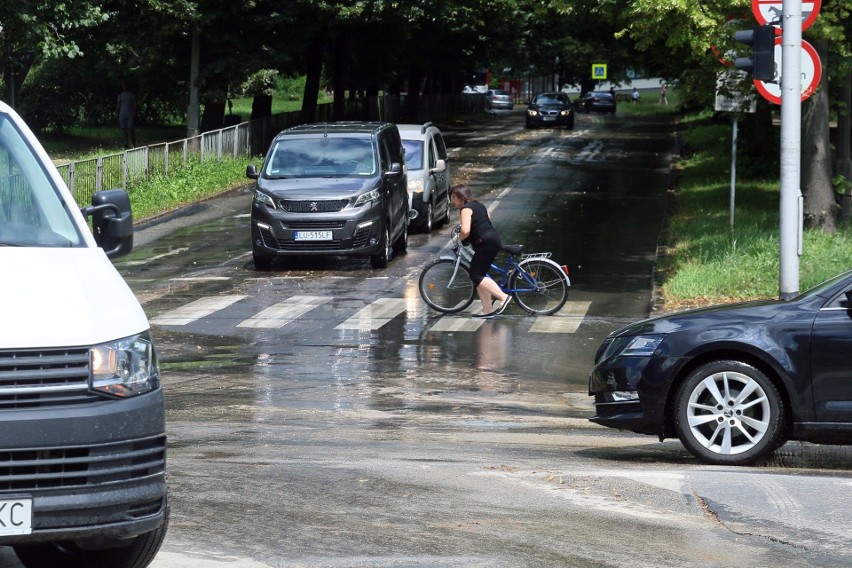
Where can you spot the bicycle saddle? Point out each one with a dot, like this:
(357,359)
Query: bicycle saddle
(513,249)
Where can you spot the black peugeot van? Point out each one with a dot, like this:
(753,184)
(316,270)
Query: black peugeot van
(331,189)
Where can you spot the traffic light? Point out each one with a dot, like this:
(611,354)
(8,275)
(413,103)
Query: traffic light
(762,62)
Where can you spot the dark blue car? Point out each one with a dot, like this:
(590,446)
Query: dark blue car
(734,382)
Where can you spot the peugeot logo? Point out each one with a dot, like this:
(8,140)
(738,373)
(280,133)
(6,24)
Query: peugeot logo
(313,206)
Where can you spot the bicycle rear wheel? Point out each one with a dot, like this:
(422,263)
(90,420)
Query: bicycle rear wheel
(445,287)
(550,289)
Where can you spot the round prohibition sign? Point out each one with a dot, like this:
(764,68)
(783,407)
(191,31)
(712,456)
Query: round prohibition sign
(811,74)
(767,11)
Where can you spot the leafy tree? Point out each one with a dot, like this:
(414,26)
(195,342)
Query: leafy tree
(39,29)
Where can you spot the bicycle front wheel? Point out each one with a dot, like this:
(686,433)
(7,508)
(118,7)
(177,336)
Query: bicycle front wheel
(445,286)
(540,286)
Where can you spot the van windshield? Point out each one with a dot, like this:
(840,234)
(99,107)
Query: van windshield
(32,213)
(320,157)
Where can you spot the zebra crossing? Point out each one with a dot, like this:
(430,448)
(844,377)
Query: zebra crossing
(371,317)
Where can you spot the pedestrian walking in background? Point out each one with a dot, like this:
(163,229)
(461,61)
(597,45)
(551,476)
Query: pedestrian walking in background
(125,109)
(635,96)
(664,100)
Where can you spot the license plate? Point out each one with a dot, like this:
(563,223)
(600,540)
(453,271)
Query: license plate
(16,516)
(549,118)
(313,235)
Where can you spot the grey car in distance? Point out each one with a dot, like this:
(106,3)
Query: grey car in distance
(498,99)
(428,174)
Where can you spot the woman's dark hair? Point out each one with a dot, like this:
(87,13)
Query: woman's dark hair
(463,192)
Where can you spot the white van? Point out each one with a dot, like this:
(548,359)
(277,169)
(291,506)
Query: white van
(82,414)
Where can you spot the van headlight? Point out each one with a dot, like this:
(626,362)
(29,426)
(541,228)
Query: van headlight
(125,367)
(260,197)
(374,195)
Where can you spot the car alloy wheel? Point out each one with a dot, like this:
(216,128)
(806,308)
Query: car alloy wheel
(729,413)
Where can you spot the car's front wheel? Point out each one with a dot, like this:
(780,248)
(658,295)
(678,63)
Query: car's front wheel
(400,246)
(729,413)
(428,217)
(382,259)
(261,263)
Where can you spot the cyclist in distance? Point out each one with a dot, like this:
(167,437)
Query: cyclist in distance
(477,231)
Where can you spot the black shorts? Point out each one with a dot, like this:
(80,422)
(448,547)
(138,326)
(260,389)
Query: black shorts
(485,251)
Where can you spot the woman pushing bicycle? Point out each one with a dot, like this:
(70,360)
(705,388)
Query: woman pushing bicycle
(477,231)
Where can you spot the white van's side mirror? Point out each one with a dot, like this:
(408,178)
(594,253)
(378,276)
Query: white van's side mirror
(112,221)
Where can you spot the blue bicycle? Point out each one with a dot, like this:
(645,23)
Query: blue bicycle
(538,284)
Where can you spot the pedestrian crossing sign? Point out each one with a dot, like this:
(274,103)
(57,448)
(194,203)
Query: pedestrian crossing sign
(598,70)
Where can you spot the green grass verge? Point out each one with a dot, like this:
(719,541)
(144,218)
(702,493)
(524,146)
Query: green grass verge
(185,184)
(710,262)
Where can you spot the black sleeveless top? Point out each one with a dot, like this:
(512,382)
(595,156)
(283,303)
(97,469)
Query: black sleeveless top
(480,224)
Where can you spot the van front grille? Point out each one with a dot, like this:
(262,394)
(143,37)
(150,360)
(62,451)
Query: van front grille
(327,206)
(99,464)
(36,378)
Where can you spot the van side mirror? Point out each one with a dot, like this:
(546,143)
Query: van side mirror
(440,166)
(395,170)
(112,221)
(251,171)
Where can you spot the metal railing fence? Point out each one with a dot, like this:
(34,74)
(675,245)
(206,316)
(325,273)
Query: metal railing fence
(251,138)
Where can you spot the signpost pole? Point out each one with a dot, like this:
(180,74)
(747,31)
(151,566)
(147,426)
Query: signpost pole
(791,124)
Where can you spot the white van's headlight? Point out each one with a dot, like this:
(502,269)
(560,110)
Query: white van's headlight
(374,195)
(125,367)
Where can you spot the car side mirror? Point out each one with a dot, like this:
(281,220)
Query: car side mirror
(394,170)
(112,221)
(251,171)
(440,166)
(849,303)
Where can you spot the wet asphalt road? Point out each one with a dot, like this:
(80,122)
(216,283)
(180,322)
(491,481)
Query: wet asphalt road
(321,415)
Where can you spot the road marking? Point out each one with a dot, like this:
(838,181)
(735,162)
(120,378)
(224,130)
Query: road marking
(153,258)
(198,309)
(566,320)
(201,279)
(592,152)
(376,314)
(458,323)
(370,317)
(282,313)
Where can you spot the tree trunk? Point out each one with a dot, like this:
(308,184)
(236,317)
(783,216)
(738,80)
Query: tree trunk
(820,206)
(261,106)
(843,163)
(415,78)
(338,80)
(313,59)
(760,137)
(214,115)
